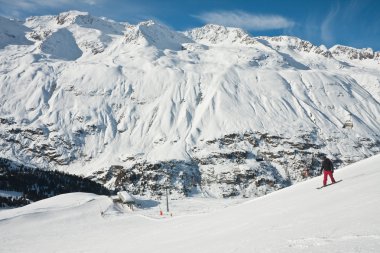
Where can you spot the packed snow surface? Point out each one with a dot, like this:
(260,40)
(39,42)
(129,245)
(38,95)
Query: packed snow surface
(340,218)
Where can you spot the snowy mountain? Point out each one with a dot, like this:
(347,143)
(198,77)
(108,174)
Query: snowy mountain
(339,218)
(12,33)
(211,110)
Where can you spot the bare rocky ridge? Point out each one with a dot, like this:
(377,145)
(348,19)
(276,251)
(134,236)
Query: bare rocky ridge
(247,173)
(353,53)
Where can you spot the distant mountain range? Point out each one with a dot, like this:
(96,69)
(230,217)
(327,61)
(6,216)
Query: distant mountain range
(212,110)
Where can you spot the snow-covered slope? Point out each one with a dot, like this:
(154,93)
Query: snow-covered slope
(141,105)
(340,218)
(12,33)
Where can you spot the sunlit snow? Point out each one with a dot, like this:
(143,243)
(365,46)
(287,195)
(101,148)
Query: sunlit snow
(340,218)
(112,90)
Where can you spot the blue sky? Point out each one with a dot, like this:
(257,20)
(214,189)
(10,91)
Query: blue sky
(354,23)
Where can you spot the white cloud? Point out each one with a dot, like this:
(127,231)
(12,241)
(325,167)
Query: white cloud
(246,20)
(58,3)
(20,6)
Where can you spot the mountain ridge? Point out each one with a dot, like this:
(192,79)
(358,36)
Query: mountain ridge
(212,109)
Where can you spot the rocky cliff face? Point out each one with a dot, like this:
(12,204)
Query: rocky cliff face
(354,53)
(242,165)
(212,110)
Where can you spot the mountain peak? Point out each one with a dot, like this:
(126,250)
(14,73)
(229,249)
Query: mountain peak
(354,53)
(297,44)
(217,34)
(93,94)
(155,34)
(70,17)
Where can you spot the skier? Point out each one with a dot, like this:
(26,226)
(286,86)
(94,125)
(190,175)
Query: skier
(328,170)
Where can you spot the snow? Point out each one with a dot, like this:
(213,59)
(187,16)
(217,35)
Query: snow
(125,197)
(98,93)
(340,218)
(62,45)
(101,90)
(12,33)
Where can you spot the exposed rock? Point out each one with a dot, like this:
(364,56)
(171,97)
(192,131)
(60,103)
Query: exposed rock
(237,164)
(354,53)
(9,121)
(180,177)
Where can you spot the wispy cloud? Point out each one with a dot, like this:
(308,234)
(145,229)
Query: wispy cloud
(249,21)
(335,24)
(327,31)
(17,8)
(23,4)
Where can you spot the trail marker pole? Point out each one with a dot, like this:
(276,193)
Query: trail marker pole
(167,200)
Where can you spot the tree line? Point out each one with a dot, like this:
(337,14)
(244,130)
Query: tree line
(36,184)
